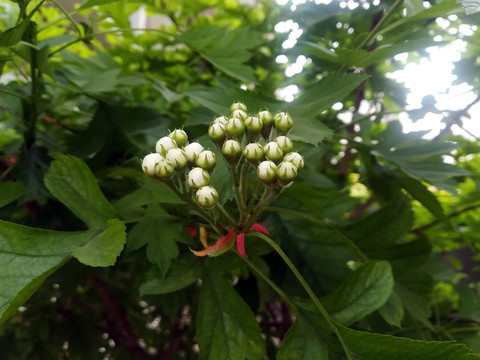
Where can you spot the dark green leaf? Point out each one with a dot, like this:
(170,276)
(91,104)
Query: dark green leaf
(13,35)
(10,191)
(392,311)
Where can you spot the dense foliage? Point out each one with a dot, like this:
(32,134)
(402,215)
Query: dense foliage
(372,252)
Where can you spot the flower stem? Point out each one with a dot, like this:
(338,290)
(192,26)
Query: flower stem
(307,288)
(225,215)
(269,194)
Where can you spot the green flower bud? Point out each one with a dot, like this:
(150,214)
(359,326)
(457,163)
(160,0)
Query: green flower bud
(296,159)
(231,148)
(164,144)
(217,132)
(220,120)
(285,143)
(235,127)
(254,152)
(149,162)
(192,150)
(266,171)
(164,169)
(239,114)
(283,122)
(198,177)
(266,117)
(206,160)
(179,136)
(286,171)
(177,157)
(273,152)
(207,196)
(253,124)
(238,106)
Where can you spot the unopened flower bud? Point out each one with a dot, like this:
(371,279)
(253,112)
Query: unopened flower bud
(266,117)
(198,177)
(164,144)
(207,196)
(206,160)
(285,143)
(235,127)
(266,171)
(164,169)
(217,132)
(239,114)
(177,157)
(273,152)
(192,150)
(220,120)
(254,152)
(296,159)
(231,148)
(149,162)
(253,124)
(283,122)
(238,106)
(179,136)
(286,171)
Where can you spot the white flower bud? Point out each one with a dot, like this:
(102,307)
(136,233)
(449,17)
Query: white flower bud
(286,171)
(207,196)
(296,159)
(283,122)
(164,169)
(231,148)
(149,162)
(206,160)
(239,114)
(253,124)
(220,120)
(164,144)
(180,137)
(198,177)
(192,150)
(238,106)
(266,171)
(285,143)
(254,152)
(266,117)
(177,157)
(235,127)
(273,152)
(217,132)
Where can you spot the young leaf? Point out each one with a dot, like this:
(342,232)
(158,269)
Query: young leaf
(226,327)
(71,181)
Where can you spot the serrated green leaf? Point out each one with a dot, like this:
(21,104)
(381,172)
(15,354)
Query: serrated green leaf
(71,181)
(103,249)
(13,35)
(371,346)
(226,327)
(392,311)
(364,291)
(10,191)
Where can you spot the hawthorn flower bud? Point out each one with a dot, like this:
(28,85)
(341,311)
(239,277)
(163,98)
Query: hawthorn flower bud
(164,144)
(254,152)
(231,148)
(149,162)
(286,171)
(192,150)
(266,171)
(220,120)
(217,132)
(283,122)
(235,127)
(253,124)
(239,114)
(238,106)
(273,152)
(207,196)
(164,169)
(266,117)
(180,137)
(177,157)
(285,143)
(296,159)
(206,160)
(198,177)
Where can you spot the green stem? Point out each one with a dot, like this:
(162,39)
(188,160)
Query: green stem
(68,16)
(268,195)
(243,188)
(225,215)
(236,188)
(361,256)
(307,288)
(12,93)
